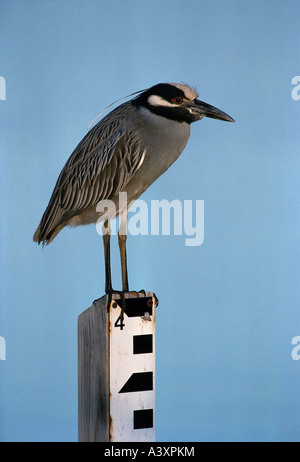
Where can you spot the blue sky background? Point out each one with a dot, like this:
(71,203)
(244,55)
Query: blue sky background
(229,308)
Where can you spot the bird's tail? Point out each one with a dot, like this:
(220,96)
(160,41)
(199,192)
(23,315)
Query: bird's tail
(40,237)
(36,236)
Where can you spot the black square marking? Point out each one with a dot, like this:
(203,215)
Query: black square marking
(142,344)
(143,419)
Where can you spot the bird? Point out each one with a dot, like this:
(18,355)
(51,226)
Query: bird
(126,151)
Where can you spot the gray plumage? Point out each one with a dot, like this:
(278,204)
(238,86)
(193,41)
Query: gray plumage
(99,167)
(125,152)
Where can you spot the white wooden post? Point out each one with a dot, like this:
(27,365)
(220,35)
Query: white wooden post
(116,370)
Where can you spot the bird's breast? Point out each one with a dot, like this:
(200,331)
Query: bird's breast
(162,141)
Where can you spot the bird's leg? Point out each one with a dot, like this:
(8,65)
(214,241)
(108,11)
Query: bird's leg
(108,285)
(122,235)
(106,232)
(106,243)
(122,244)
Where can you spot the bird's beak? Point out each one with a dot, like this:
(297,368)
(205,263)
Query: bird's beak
(201,109)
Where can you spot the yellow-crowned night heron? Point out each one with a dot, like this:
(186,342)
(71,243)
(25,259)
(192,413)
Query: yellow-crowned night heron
(125,152)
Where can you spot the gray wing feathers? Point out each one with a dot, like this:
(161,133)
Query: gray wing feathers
(79,176)
(101,165)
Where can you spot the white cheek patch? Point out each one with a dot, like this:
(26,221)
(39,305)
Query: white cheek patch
(155,100)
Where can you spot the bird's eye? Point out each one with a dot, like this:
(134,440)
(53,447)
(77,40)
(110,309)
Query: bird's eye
(177,100)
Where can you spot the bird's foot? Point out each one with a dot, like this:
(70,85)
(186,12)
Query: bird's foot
(143,292)
(120,320)
(156,300)
(140,293)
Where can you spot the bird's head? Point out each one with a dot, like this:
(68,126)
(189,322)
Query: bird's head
(178,102)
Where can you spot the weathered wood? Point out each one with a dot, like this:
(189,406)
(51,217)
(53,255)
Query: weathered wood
(93,376)
(116,370)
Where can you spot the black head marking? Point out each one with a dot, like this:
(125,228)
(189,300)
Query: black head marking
(164,90)
(168,93)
